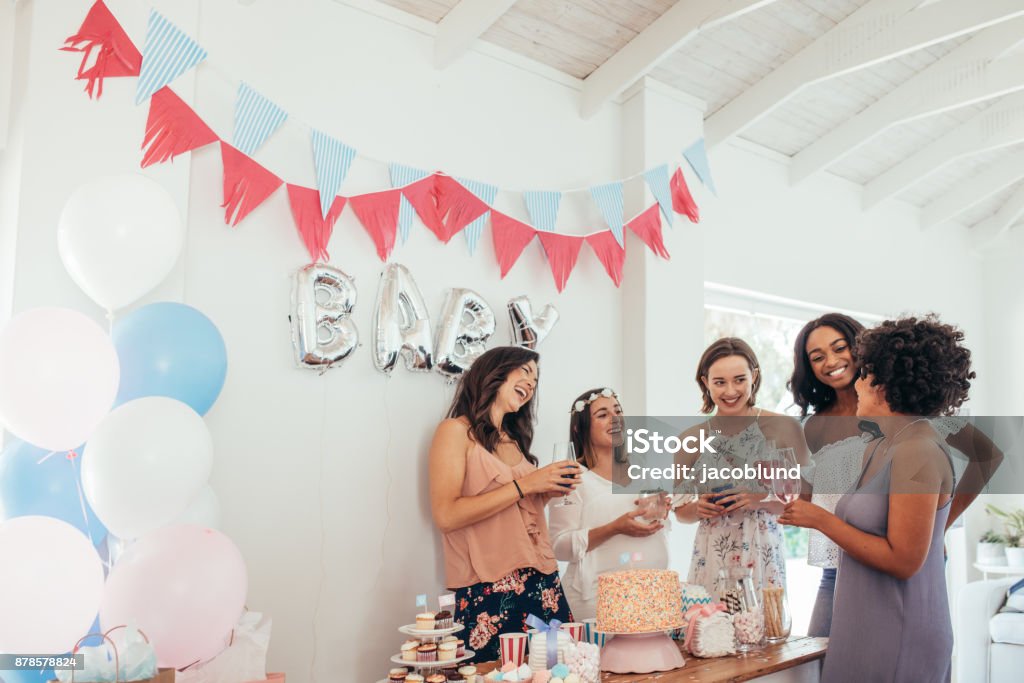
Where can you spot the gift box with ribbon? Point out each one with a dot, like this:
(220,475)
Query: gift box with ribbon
(548,643)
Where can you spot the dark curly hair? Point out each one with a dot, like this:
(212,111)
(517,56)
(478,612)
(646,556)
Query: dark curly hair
(477,389)
(921,364)
(808,391)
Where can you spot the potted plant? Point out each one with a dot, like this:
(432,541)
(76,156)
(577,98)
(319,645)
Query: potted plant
(1013,522)
(992,549)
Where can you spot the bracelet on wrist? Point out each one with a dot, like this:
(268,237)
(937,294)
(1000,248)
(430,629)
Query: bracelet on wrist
(521,496)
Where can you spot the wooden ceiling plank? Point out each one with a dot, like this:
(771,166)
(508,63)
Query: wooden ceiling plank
(878,31)
(463,24)
(962,77)
(999,126)
(655,43)
(972,190)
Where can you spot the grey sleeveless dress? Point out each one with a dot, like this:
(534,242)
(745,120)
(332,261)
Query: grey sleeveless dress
(884,629)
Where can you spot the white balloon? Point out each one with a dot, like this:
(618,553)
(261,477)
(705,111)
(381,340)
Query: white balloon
(145,463)
(58,377)
(51,585)
(204,510)
(119,237)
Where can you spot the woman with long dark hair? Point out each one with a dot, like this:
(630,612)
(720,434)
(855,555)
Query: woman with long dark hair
(488,496)
(891,616)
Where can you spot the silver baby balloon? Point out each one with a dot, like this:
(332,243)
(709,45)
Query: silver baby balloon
(322,329)
(467,322)
(401,324)
(528,329)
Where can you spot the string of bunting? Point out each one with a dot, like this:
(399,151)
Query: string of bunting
(446,205)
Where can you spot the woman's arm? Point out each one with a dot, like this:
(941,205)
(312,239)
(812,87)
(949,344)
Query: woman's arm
(454,511)
(984,458)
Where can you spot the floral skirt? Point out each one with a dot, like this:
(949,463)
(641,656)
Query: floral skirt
(489,609)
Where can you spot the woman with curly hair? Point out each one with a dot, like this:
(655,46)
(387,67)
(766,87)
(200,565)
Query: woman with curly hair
(488,496)
(891,615)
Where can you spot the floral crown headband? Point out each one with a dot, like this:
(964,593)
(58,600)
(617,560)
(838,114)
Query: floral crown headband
(580,406)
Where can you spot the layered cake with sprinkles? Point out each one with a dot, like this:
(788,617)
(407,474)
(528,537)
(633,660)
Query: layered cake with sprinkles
(639,601)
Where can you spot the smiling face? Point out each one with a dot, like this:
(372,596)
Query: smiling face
(605,422)
(730,381)
(831,357)
(519,387)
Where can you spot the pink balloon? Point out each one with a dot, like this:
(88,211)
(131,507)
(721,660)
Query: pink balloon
(184,586)
(58,377)
(51,582)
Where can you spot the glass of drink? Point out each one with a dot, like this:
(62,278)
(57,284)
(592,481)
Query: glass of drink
(563,451)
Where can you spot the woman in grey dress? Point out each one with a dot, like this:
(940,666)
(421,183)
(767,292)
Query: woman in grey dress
(891,615)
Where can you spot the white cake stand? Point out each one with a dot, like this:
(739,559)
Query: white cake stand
(397,659)
(429,634)
(640,653)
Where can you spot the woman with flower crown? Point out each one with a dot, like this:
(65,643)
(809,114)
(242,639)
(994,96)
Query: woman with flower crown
(596,528)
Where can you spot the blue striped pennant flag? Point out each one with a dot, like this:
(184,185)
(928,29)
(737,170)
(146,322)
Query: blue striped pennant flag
(657,180)
(697,155)
(609,200)
(332,158)
(486,193)
(256,118)
(400,177)
(166,54)
(543,208)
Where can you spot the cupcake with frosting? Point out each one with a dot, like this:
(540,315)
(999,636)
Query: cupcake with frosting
(425,621)
(426,653)
(443,619)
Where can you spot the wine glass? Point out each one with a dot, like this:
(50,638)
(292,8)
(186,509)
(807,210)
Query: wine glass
(774,461)
(786,489)
(563,451)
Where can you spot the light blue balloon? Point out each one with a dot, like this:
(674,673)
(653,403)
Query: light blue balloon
(50,488)
(170,349)
(34,676)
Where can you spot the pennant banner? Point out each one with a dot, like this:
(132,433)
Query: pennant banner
(378,212)
(487,193)
(510,238)
(332,159)
(401,176)
(166,54)
(608,198)
(246,184)
(610,253)
(422,194)
(562,251)
(256,118)
(682,200)
(543,208)
(172,128)
(697,156)
(657,181)
(457,205)
(647,226)
(103,44)
(314,228)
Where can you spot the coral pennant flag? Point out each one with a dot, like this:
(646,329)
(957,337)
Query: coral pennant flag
(423,196)
(378,212)
(562,251)
(647,226)
(457,206)
(172,129)
(510,238)
(682,200)
(610,253)
(246,184)
(102,41)
(313,227)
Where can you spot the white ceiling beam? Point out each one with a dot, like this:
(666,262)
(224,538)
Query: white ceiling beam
(463,24)
(986,232)
(998,126)
(993,179)
(878,31)
(957,79)
(656,42)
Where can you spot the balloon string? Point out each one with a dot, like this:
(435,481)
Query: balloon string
(72,460)
(323,535)
(387,489)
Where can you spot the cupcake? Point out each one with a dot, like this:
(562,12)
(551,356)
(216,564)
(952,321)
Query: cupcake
(468,670)
(443,619)
(460,650)
(414,678)
(446,651)
(454,677)
(398,676)
(426,653)
(409,650)
(425,621)
(436,678)
(449,638)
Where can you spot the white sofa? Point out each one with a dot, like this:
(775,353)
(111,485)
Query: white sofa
(989,644)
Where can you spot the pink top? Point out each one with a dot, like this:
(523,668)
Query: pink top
(513,538)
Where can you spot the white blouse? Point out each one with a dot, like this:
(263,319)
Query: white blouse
(595,505)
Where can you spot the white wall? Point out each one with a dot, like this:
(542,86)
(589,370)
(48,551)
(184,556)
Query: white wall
(322,479)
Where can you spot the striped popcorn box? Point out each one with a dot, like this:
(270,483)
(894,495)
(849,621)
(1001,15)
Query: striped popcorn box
(513,648)
(574,629)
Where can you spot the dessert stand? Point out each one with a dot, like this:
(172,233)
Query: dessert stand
(431,636)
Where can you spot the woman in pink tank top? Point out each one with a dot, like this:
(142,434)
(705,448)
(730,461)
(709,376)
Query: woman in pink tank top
(488,496)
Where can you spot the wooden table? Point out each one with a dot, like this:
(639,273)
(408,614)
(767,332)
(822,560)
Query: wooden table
(798,660)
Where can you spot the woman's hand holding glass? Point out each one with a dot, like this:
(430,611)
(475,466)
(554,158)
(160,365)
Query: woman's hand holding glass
(560,478)
(634,524)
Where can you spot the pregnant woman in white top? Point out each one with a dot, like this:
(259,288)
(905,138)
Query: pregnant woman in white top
(598,526)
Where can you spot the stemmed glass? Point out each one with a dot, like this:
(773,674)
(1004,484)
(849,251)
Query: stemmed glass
(563,451)
(785,489)
(774,461)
